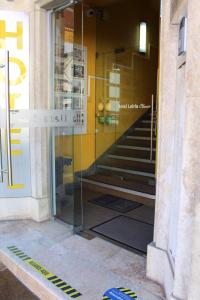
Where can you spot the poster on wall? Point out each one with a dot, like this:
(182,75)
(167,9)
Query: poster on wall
(75,85)
(14,37)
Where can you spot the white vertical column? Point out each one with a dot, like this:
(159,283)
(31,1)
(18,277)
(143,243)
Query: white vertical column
(39,99)
(166,128)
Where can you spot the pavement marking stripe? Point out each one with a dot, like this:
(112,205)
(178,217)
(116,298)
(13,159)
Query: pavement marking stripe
(55,280)
(129,293)
(69,290)
(61,284)
(66,288)
(25,259)
(22,256)
(76,295)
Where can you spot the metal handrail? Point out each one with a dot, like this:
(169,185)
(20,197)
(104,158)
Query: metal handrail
(152,121)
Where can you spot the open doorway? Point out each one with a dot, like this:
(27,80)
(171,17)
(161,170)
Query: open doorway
(108,174)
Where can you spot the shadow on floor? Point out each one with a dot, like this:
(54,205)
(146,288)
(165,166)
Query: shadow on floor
(12,289)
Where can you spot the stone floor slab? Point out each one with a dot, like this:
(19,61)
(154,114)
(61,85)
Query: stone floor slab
(90,266)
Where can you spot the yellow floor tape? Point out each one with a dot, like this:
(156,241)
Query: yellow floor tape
(59,283)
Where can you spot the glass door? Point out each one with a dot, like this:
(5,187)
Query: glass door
(69,96)
(26,127)
(63,139)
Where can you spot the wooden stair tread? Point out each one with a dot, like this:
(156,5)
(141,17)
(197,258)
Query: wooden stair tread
(138,143)
(129,165)
(127,177)
(143,154)
(130,185)
(141,133)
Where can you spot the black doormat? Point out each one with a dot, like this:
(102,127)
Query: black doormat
(115,203)
(127,231)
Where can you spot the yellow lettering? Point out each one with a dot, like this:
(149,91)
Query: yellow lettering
(16,186)
(22,68)
(16,152)
(17,35)
(16,130)
(12,100)
(15,142)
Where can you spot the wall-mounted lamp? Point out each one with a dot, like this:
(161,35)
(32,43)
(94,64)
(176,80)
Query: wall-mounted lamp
(143,37)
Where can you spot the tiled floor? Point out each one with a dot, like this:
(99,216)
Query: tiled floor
(90,266)
(13,289)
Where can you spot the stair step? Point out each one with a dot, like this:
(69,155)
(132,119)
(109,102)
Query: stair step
(128,185)
(144,138)
(142,154)
(148,200)
(128,177)
(147,121)
(131,167)
(141,133)
(135,148)
(126,171)
(142,129)
(130,158)
(138,143)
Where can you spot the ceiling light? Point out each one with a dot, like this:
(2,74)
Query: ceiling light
(143,37)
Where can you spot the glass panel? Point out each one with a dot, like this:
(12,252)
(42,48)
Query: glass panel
(70,95)
(64,140)
(107,100)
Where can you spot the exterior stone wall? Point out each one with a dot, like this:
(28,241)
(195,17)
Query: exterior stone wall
(173,258)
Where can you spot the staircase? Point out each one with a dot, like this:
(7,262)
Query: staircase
(126,170)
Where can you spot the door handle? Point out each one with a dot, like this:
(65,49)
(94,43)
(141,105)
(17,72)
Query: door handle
(8,127)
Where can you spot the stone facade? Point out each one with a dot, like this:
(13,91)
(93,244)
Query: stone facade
(173,258)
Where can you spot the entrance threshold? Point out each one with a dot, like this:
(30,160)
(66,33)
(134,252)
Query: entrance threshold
(90,267)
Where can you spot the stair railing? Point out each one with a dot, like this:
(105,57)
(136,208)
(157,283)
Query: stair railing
(152,121)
